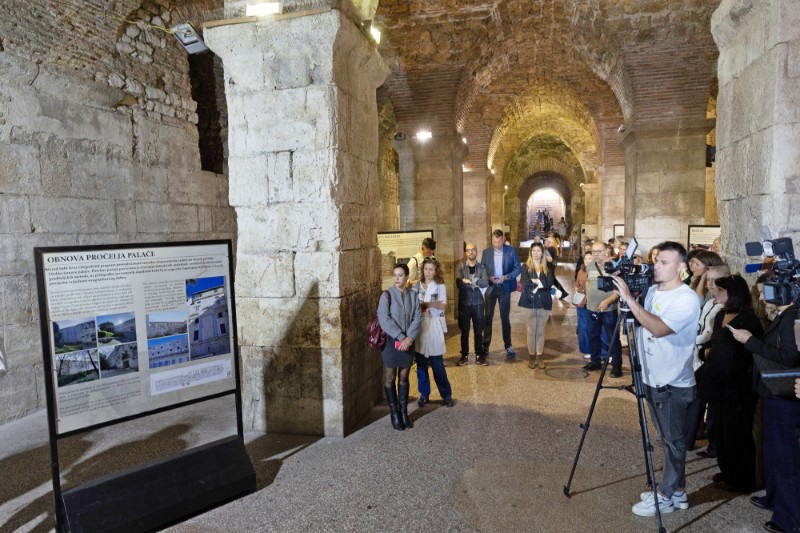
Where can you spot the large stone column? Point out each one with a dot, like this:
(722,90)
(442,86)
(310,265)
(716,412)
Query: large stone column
(592,203)
(612,200)
(758,122)
(476,208)
(303,135)
(431,197)
(665,174)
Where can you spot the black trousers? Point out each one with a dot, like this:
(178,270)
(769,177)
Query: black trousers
(732,433)
(473,313)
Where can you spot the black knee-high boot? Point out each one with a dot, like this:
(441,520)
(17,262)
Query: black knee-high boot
(391,399)
(403,397)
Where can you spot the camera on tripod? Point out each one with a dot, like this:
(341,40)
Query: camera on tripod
(785,288)
(637,277)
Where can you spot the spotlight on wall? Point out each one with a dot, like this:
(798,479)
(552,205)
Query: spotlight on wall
(189,38)
(262,9)
(464,140)
(424,135)
(492,172)
(372,31)
(581,185)
(621,128)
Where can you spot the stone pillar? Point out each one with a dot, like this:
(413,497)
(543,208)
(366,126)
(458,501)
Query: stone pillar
(591,218)
(476,208)
(665,173)
(758,123)
(431,197)
(303,179)
(612,200)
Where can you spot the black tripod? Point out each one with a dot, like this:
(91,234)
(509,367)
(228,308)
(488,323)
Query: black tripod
(637,390)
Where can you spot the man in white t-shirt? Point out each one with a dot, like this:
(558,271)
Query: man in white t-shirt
(665,344)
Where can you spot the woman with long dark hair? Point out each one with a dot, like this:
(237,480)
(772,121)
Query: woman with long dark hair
(537,278)
(726,381)
(400,318)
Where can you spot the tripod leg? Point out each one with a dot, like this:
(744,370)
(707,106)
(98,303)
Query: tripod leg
(636,372)
(585,425)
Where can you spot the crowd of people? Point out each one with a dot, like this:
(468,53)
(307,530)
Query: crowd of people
(703,350)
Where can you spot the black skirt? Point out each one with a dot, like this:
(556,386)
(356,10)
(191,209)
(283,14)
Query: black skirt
(394,358)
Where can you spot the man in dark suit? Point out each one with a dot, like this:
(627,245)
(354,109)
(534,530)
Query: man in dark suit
(502,265)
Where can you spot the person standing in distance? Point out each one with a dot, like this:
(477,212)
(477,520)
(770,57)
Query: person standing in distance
(665,342)
(502,266)
(415,263)
(471,277)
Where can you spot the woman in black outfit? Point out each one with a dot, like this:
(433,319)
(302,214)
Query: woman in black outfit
(726,380)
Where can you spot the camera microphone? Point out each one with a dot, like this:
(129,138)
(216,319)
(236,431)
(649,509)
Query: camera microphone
(753,268)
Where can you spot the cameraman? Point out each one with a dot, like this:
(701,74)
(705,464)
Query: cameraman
(665,343)
(781,418)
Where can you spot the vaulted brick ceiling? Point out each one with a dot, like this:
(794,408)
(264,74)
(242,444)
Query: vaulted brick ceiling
(502,72)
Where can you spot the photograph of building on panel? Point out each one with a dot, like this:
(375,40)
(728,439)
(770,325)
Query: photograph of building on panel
(209,321)
(77,367)
(167,351)
(74,335)
(118,359)
(118,328)
(166,323)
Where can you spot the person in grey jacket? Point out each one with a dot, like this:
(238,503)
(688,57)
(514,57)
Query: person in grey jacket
(401,319)
(471,277)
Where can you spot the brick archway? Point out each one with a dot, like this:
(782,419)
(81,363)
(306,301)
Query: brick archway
(543,180)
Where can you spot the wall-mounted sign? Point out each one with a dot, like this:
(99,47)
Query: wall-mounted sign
(702,237)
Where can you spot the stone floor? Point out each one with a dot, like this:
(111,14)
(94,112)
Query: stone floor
(497,461)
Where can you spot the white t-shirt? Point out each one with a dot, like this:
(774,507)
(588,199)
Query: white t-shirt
(434,292)
(668,360)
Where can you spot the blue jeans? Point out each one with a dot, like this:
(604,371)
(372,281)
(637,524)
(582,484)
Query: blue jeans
(498,292)
(439,376)
(668,406)
(603,339)
(782,461)
(583,330)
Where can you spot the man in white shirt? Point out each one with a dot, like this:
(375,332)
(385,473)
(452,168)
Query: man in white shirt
(427,249)
(665,344)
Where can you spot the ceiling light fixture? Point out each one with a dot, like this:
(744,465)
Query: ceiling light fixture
(424,135)
(263,9)
(189,38)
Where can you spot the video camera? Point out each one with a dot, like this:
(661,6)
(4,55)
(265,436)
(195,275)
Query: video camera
(638,278)
(785,288)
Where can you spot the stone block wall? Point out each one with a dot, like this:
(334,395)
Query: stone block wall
(98,145)
(303,142)
(758,125)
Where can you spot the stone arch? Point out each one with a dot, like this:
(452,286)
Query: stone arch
(541,180)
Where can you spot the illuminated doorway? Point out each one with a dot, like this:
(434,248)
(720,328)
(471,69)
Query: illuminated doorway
(546,200)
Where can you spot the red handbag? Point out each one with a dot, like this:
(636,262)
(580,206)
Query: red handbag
(376,337)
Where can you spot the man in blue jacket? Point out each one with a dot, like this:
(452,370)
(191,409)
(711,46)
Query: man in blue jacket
(502,266)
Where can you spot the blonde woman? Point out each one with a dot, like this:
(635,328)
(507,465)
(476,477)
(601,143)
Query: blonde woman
(431,347)
(537,278)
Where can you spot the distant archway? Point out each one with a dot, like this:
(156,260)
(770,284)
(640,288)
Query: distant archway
(550,186)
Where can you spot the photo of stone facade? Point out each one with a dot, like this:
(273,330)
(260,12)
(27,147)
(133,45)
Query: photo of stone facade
(166,323)
(118,359)
(74,335)
(168,351)
(77,367)
(118,328)
(209,324)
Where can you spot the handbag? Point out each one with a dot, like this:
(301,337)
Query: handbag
(376,337)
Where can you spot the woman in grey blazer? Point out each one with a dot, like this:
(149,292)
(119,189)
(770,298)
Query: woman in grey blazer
(400,318)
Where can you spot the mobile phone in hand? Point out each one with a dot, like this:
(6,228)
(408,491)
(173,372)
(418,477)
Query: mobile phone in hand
(729,327)
(398,345)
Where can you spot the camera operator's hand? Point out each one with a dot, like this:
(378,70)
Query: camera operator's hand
(622,290)
(740,335)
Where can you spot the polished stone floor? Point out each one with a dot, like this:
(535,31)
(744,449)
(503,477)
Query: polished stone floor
(496,462)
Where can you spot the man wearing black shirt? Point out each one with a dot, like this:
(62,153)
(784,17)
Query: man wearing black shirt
(471,277)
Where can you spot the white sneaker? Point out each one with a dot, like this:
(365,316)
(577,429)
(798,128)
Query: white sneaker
(679,502)
(587,356)
(647,506)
